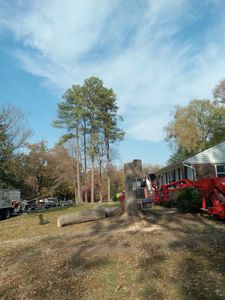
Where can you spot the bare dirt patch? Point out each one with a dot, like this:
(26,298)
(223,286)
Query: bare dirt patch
(172,256)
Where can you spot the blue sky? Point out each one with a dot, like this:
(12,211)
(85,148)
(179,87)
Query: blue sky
(154,54)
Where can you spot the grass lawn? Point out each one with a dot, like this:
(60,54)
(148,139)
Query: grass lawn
(178,256)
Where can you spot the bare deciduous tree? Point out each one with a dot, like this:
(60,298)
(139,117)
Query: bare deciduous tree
(219,92)
(13,126)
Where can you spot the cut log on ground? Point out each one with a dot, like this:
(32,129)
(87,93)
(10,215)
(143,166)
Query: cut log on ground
(109,211)
(81,216)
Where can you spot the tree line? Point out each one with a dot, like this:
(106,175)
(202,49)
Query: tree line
(80,164)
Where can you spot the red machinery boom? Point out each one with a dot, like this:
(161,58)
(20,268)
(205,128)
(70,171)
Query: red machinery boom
(211,188)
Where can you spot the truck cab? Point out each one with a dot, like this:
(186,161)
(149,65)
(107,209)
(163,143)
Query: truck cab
(9,200)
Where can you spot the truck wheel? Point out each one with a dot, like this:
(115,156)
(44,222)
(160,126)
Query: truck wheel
(7,213)
(216,217)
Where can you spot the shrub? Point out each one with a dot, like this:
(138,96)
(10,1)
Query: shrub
(188,200)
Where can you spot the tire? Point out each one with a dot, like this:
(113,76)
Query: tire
(7,213)
(216,218)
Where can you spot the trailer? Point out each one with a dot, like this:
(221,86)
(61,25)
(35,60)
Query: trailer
(10,200)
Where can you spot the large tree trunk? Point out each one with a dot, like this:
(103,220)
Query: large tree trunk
(131,171)
(92,173)
(100,179)
(80,217)
(92,163)
(109,188)
(108,170)
(78,168)
(75,189)
(85,164)
(92,181)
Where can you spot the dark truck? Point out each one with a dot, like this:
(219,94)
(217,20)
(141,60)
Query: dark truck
(9,202)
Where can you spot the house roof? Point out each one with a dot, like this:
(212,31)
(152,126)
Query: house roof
(170,167)
(215,154)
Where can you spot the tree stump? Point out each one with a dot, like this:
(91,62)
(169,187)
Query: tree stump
(132,170)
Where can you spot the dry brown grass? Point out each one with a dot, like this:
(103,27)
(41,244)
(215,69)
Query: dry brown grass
(170,257)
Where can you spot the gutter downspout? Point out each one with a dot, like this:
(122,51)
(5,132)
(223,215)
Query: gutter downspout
(190,166)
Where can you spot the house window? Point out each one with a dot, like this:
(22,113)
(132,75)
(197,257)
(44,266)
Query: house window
(174,175)
(220,170)
(170,175)
(189,173)
(178,174)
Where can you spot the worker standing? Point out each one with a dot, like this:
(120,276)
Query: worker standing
(150,187)
(121,198)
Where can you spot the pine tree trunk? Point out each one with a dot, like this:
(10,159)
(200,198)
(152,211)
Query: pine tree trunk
(92,181)
(78,168)
(100,178)
(100,195)
(92,168)
(109,188)
(92,162)
(75,191)
(85,165)
(85,191)
(108,171)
